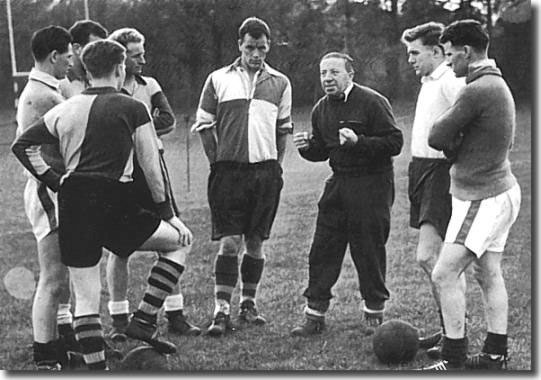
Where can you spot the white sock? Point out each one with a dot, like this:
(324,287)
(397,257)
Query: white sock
(246,298)
(118,307)
(222,306)
(64,316)
(174,302)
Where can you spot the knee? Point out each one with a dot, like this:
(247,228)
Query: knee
(440,277)
(230,245)
(424,260)
(479,275)
(254,247)
(179,255)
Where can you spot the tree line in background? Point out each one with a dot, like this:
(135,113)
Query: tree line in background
(187,39)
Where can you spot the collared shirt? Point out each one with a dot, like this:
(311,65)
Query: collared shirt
(248,114)
(487,62)
(439,91)
(148,90)
(347,91)
(98,131)
(40,94)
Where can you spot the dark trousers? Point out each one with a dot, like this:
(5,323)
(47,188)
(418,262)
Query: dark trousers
(354,210)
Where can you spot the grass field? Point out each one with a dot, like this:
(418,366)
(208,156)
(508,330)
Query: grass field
(343,347)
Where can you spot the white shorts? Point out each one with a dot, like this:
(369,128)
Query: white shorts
(484,225)
(41,206)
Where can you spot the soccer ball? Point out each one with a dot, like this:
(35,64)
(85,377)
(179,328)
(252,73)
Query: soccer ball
(144,358)
(395,341)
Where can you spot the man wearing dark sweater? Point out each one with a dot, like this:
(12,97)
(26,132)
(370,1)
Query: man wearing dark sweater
(354,128)
(477,133)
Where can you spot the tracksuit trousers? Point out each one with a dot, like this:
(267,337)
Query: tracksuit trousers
(354,210)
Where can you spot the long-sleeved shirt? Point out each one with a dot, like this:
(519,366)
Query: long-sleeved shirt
(148,90)
(98,133)
(480,129)
(370,116)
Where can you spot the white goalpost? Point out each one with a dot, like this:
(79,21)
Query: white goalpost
(15,73)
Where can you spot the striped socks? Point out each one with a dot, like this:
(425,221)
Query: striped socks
(251,270)
(89,334)
(227,272)
(163,277)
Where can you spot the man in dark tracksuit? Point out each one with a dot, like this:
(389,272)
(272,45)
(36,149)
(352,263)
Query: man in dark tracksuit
(352,126)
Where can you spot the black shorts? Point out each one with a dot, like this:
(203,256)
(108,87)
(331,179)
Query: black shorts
(428,191)
(143,194)
(244,198)
(95,213)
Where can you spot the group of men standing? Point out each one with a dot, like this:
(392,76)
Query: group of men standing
(101,153)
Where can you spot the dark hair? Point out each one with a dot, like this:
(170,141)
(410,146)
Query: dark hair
(346,57)
(82,29)
(429,33)
(255,27)
(100,57)
(48,39)
(466,32)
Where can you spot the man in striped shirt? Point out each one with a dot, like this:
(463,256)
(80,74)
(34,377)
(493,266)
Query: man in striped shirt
(244,117)
(99,132)
(52,52)
(147,90)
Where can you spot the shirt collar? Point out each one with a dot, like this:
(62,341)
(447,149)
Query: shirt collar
(487,62)
(101,90)
(347,91)
(238,66)
(140,80)
(437,73)
(44,78)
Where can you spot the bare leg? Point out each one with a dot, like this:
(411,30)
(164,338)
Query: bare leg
(453,260)
(52,288)
(488,273)
(117,277)
(428,249)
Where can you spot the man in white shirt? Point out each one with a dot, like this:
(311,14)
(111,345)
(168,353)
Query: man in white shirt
(428,171)
(52,53)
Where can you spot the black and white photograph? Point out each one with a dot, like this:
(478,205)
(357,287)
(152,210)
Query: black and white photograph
(256,187)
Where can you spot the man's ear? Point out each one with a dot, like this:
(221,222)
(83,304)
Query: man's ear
(77,48)
(437,51)
(240,43)
(118,70)
(468,50)
(53,56)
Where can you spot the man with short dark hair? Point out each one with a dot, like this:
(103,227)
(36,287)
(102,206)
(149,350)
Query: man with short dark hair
(477,133)
(82,32)
(100,131)
(52,52)
(354,128)
(428,171)
(244,117)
